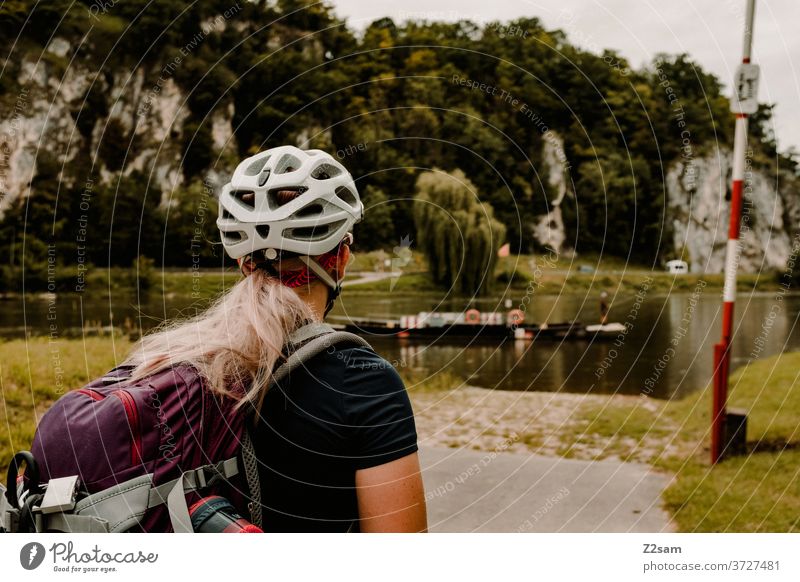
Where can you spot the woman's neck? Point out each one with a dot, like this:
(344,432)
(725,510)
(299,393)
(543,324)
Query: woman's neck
(316,296)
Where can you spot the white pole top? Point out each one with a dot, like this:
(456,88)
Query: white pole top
(748,30)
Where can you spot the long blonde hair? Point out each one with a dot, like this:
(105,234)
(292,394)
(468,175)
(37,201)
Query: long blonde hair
(235,343)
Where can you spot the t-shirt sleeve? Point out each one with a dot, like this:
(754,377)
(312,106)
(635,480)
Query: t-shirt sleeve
(378,410)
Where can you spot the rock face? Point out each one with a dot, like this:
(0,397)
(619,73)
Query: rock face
(146,107)
(698,204)
(698,194)
(149,111)
(549,229)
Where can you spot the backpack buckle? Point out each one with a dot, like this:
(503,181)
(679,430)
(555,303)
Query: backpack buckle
(208,475)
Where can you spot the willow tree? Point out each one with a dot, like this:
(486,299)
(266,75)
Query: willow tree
(457,232)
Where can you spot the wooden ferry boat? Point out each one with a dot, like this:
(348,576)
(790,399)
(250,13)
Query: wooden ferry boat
(472,324)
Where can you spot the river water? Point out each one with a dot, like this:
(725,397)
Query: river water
(666,351)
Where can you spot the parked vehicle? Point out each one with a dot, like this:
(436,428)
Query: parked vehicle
(677,267)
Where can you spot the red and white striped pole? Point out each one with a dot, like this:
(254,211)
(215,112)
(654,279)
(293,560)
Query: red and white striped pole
(744,103)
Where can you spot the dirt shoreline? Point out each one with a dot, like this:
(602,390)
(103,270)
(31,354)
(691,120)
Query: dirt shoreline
(543,423)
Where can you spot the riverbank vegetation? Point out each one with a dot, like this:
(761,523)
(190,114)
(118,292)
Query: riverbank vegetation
(503,102)
(759,492)
(402,271)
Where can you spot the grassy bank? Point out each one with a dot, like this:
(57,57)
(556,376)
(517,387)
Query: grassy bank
(759,492)
(34,373)
(577,275)
(544,274)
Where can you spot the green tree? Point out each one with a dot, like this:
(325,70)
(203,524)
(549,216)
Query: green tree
(376,231)
(457,232)
(190,226)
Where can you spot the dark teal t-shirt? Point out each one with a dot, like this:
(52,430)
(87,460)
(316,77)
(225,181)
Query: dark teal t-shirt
(347,409)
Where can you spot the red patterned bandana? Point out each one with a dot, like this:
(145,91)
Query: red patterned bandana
(304,276)
(298,277)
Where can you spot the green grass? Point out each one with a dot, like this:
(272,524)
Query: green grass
(407,283)
(35,372)
(424,383)
(550,283)
(759,492)
(202,285)
(541,273)
(552,277)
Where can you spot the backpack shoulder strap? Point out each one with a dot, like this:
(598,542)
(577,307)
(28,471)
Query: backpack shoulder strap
(313,339)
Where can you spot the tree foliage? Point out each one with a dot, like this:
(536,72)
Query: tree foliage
(457,232)
(486,99)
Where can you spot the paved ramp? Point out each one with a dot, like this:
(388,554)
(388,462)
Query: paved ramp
(504,492)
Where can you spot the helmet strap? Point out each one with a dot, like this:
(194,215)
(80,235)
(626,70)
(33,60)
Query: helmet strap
(334,285)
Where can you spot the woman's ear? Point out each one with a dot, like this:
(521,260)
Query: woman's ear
(246,265)
(341,262)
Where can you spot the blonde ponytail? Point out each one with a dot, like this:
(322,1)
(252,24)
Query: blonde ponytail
(236,342)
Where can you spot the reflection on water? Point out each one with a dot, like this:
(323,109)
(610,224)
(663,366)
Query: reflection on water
(666,352)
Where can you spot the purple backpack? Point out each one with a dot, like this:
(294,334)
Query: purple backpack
(121,455)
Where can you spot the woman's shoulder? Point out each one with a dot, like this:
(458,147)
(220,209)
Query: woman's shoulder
(360,357)
(366,372)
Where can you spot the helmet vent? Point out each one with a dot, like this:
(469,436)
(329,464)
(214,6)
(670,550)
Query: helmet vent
(234,236)
(325,172)
(255,168)
(279,196)
(317,232)
(347,196)
(226,215)
(263,230)
(246,198)
(286,164)
(311,233)
(310,210)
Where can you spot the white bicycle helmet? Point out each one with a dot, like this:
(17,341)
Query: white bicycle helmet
(256,215)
